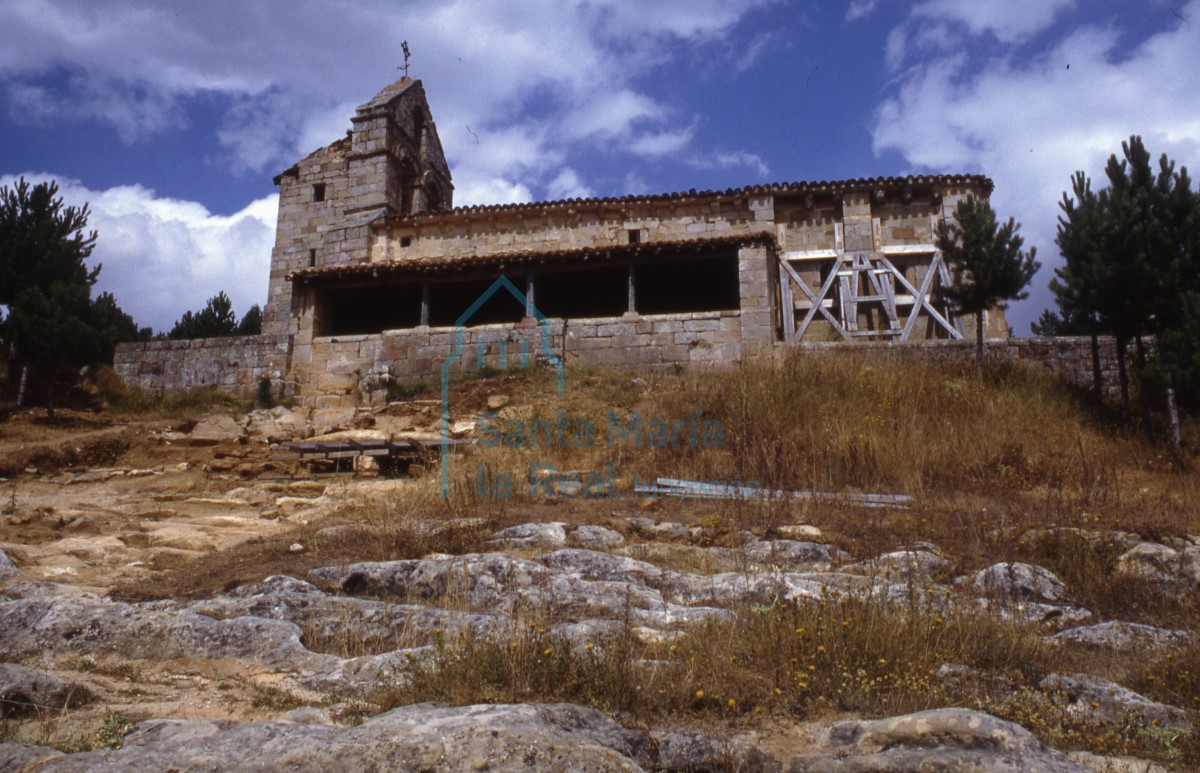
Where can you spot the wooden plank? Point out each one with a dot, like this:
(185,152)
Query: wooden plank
(944,275)
(706,490)
(888,285)
(809,255)
(848,307)
(920,299)
(882,294)
(908,249)
(805,305)
(818,302)
(787,306)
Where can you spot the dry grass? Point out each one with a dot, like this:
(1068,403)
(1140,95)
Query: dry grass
(851,423)
(806,661)
(125,400)
(1017,468)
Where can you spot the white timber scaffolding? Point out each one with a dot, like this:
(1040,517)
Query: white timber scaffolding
(864,294)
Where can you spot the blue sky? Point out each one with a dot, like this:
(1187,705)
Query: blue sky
(171,116)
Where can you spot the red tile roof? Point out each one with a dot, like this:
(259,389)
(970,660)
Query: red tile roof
(793,188)
(502,261)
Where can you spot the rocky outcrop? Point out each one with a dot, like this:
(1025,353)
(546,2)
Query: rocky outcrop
(1016,581)
(500,583)
(276,425)
(551,737)
(786,553)
(918,563)
(25,691)
(56,625)
(215,429)
(1118,635)
(1110,702)
(330,622)
(8,570)
(594,537)
(421,737)
(19,757)
(939,740)
(547,536)
(692,750)
(1171,570)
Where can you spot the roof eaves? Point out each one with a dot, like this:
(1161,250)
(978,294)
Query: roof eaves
(525,257)
(822,186)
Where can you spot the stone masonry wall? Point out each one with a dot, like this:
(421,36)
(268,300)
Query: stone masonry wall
(563,228)
(356,368)
(234,365)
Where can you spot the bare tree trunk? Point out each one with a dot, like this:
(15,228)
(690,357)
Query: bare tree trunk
(23,384)
(1123,378)
(1143,393)
(1173,428)
(1173,418)
(979,345)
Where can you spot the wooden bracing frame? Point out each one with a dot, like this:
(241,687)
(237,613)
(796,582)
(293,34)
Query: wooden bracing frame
(860,281)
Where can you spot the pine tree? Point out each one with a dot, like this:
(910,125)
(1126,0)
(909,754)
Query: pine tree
(987,263)
(251,324)
(45,283)
(1132,256)
(215,320)
(1076,284)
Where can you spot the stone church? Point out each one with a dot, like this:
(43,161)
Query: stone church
(376,275)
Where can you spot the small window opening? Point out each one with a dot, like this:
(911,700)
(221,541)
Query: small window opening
(319,192)
(406,241)
(418,126)
(635,236)
(312,257)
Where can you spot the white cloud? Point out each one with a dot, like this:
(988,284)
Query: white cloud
(567,185)
(944,26)
(1011,21)
(493,191)
(658,144)
(162,257)
(613,115)
(1030,122)
(754,50)
(285,72)
(860,9)
(735,159)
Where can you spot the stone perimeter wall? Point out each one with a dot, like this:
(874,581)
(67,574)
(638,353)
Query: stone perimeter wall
(356,367)
(234,365)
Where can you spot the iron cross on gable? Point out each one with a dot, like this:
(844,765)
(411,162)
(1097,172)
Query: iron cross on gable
(404,48)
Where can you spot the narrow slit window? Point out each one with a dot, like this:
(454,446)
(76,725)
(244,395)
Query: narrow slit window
(312,257)
(319,192)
